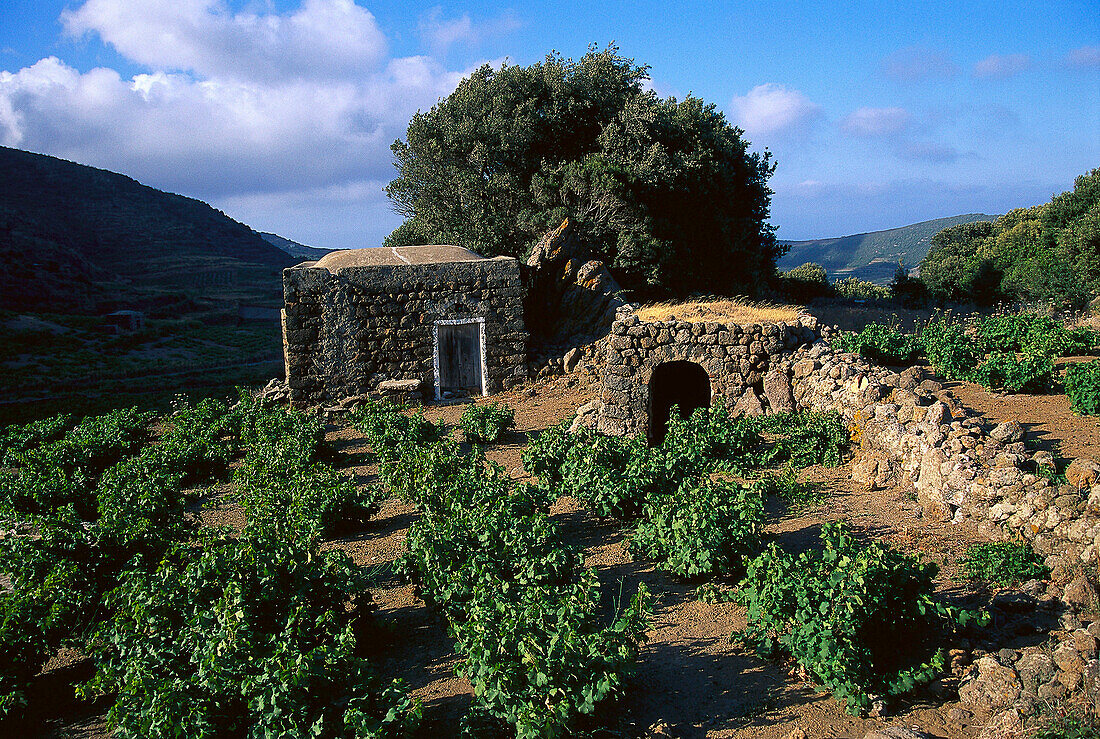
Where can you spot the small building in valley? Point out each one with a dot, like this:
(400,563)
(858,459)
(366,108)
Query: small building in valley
(440,319)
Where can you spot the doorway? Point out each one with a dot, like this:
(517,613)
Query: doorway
(459,357)
(683,384)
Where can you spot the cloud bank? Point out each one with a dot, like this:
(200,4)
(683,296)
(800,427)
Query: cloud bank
(774,110)
(234,106)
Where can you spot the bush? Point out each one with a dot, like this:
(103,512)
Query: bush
(805,282)
(842,613)
(949,349)
(1082,383)
(387,428)
(707,528)
(484,424)
(802,439)
(1003,563)
(1014,374)
(880,343)
(17,440)
(853,288)
(243,637)
(524,613)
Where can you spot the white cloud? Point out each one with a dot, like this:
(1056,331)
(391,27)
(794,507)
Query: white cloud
(1085,57)
(235,108)
(917,63)
(213,137)
(322,39)
(773,109)
(996,66)
(441,34)
(875,122)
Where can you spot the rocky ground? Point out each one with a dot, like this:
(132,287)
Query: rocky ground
(692,681)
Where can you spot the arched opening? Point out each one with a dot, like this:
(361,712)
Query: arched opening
(681,384)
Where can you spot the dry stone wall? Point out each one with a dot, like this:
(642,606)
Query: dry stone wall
(908,433)
(736,359)
(345,333)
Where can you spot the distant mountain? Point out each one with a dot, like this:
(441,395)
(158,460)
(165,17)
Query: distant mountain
(873,256)
(293,248)
(79,239)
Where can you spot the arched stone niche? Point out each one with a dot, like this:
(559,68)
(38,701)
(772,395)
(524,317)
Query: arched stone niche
(734,357)
(677,384)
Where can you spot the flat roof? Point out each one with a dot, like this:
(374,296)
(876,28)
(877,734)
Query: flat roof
(395,256)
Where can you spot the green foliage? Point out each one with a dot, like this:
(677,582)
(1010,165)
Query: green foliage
(244,637)
(283,491)
(805,282)
(801,439)
(19,439)
(524,148)
(853,288)
(1012,352)
(786,485)
(1082,383)
(485,423)
(1003,563)
(842,612)
(1050,252)
(704,528)
(949,349)
(1014,374)
(1064,723)
(882,343)
(387,427)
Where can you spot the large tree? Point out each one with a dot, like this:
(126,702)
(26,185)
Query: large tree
(1048,252)
(665,191)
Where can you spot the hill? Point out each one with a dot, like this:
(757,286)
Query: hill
(873,256)
(79,239)
(293,248)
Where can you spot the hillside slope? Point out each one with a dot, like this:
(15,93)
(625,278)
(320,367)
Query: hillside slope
(74,238)
(873,256)
(293,248)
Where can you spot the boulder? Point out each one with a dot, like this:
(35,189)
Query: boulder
(777,388)
(569,294)
(992,686)
(1082,472)
(1008,432)
(747,405)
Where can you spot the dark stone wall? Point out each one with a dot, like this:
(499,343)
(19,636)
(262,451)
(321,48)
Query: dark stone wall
(345,333)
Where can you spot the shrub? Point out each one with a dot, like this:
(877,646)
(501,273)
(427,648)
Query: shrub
(842,613)
(1082,383)
(1003,563)
(388,427)
(486,423)
(1013,373)
(949,349)
(854,288)
(19,439)
(200,441)
(881,343)
(244,637)
(303,501)
(785,484)
(706,528)
(525,615)
(803,438)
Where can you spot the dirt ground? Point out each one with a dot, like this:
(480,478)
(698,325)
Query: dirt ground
(691,679)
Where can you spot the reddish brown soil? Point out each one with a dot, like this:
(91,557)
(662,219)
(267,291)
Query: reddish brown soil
(690,676)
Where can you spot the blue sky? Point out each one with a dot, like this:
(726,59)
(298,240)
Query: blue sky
(281,113)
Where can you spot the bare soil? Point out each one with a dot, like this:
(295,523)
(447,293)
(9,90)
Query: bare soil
(691,678)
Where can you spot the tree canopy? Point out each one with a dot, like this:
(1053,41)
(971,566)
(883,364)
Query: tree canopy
(1048,252)
(665,191)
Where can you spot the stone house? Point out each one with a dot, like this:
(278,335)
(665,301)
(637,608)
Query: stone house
(439,320)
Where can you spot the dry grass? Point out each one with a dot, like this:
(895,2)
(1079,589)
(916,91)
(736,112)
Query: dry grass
(734,310)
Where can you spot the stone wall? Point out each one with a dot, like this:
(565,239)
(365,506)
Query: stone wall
(908,433)
(736,359)
(345,333)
